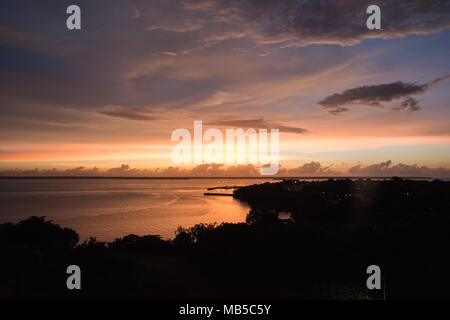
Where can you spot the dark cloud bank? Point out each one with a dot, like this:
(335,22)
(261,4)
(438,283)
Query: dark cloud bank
(311,169)
(302,22)
(373,95)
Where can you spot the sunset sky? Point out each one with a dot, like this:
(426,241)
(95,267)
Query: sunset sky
(347,100)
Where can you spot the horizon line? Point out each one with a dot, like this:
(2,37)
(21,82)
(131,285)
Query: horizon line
(221,177)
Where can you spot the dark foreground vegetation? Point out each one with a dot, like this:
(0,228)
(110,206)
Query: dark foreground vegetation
(336,229)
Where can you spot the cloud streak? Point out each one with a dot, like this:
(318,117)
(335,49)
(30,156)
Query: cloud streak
(259,123)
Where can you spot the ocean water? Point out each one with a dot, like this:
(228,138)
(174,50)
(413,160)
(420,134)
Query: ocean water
(111,208)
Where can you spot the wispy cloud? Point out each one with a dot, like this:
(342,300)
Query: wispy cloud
(129,113)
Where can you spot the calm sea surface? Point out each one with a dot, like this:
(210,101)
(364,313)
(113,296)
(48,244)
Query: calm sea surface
(110,208)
